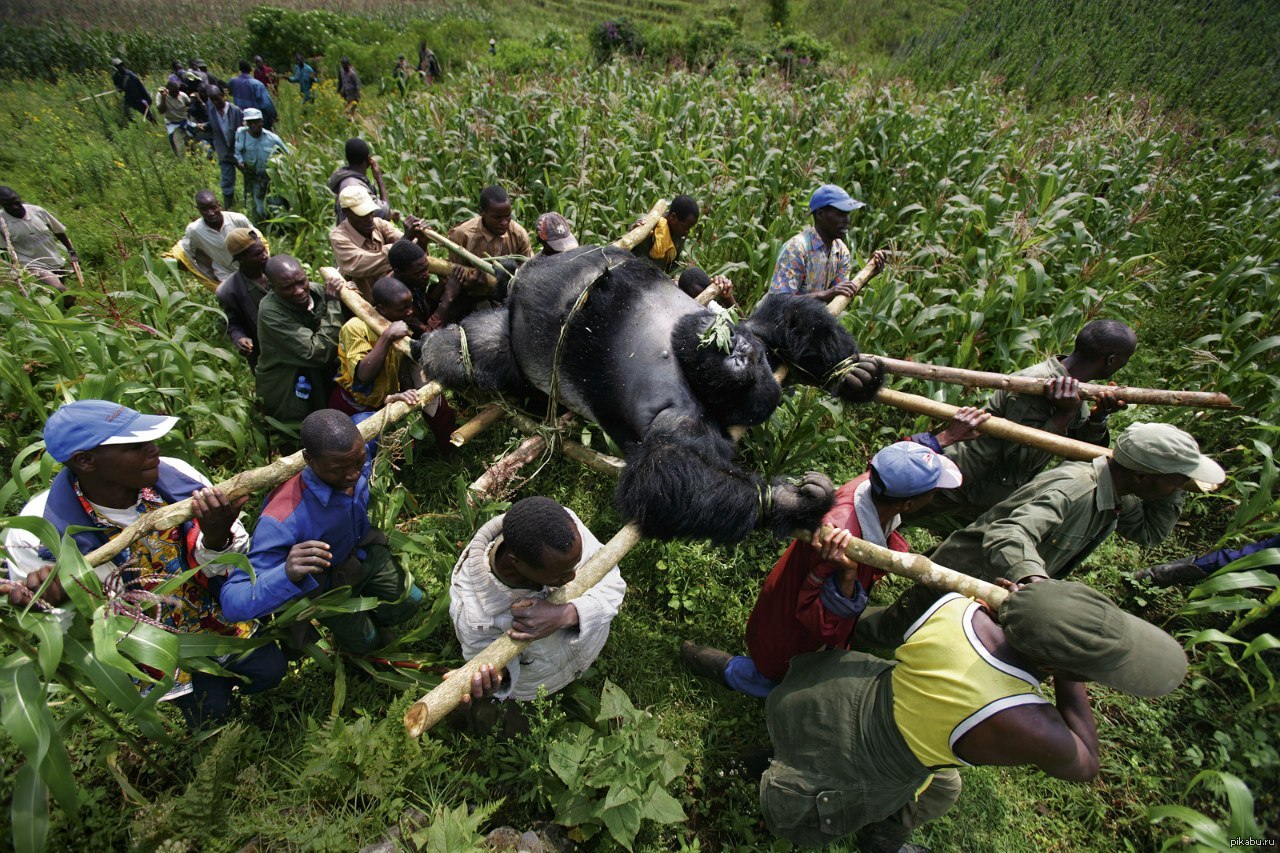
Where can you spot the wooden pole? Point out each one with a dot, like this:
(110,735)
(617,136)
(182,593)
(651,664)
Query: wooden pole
(434,706)
(1031,385)
(75,266)
(594,459)
(644,227)
(13,257)
(835,308)
(1058,445)
(920,569)
(471,258)
(483,419)
(356,304)
(248,482)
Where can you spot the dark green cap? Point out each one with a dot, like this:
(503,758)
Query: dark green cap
(1076,629)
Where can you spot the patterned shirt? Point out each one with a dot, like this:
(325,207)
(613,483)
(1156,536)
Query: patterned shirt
(806,266)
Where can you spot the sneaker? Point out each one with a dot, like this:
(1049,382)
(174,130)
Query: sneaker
(1177,573)
(704,661)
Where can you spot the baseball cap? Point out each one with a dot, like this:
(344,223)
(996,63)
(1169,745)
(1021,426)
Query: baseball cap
(239,239)
(86,424)
(115,60)
(553,230)
(830,194)
(908,469)
(357,200)
(1165,449)
(252,114)
(1073,627)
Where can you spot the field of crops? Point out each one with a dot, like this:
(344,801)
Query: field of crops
(1010,229)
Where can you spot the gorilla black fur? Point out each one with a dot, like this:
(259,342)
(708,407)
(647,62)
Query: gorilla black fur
(633,360)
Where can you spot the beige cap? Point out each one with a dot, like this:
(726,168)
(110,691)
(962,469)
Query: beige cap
(239,239)
(357,200)
(1165,449)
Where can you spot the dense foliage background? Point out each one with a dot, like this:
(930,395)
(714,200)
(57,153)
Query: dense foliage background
(1015,219)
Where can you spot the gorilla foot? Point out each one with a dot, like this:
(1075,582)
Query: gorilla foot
(800,504)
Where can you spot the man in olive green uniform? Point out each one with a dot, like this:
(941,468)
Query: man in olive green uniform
(994,468)
(1052,524)
(298,325)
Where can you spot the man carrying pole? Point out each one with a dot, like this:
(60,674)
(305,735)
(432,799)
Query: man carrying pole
(1051,525)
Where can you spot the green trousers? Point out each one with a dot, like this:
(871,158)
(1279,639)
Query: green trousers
(378,576)
(841,767)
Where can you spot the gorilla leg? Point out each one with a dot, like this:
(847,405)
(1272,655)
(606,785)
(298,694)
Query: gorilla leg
(680,482)
(486,361)
(800,332)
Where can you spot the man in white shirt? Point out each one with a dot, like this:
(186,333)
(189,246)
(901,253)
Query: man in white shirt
(500,586)
(32,234)
(205,243)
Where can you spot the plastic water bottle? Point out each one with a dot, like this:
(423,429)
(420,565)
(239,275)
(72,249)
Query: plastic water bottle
(302,390)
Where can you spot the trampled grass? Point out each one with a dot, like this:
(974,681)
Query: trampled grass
(1012,227)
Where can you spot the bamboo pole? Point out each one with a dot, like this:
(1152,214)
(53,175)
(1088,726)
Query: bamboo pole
(593,459)
(1031,385)
(468,256)
(434,706)
(483,419)
(357,305)
(920,569)
(248,482)
(1058,445)
(644,227)
(13,257)
(75,266)
(835,308)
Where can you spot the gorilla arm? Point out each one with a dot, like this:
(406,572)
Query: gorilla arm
(801,333)
(680,482)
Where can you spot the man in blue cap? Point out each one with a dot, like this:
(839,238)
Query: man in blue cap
(816,261)
(113,474)
(814,595)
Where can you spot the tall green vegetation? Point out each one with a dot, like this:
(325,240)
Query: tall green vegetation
(1011,227)
(1213,57)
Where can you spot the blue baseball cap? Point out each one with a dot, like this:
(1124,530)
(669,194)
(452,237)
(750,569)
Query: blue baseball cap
(830,194)
(86,424)
(908,469)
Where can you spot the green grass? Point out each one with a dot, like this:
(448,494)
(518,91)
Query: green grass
(1016,225)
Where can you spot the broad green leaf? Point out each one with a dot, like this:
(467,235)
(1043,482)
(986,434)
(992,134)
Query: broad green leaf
(107,628)
(25,716)
(29,812)
(1204,829)
(623,823)
(83,587)
(48,629)
(661,807)
(151,646)
(120,691)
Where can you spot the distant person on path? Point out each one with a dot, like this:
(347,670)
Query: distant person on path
(33,236)
(994,468)
(401,75)
(298,325)
(179,74)
(174,107)
(113,474)
(254,147)
(816,262)
(305,76)
(210,79)
(241,294)
(265,74)
(203,248)
(251,92)
(314,535)
(869,746)
(428,65)
(500,586)
(361,169)
(225,121)
(136,97)
(349,85)
(1052,524)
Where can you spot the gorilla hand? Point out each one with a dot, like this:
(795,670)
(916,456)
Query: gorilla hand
(861,382)
(800,504)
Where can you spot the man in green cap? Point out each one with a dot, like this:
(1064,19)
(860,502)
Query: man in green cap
(965,690)
(1052,524)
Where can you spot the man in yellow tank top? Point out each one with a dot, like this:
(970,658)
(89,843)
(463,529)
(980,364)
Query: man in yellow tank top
(966,690)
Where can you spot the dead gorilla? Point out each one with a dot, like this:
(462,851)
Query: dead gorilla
(632,361)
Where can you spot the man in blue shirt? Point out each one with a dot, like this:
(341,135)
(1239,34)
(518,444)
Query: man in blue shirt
(314,535)
(817,262)
(250,92)
(254,147)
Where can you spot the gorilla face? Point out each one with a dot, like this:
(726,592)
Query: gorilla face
(735,387)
